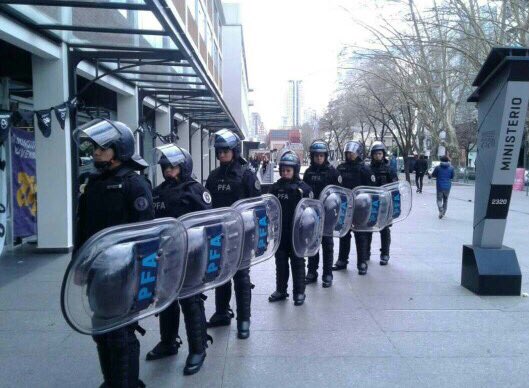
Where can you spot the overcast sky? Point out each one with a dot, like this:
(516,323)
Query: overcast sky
(297,39)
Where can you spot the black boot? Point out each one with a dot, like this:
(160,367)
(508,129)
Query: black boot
(339,265)
(326,281)
(362,268)
(277,296)
(311,277)
(194,362)
(243,329)
(384,259)
(163,350)
(299,299)
(220,319)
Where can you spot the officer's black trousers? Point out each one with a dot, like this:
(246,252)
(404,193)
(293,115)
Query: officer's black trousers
(327,245)
(282,273)
(243,295)
(385,241)
(195,321)
(363,247)
(119,357)
(345,248)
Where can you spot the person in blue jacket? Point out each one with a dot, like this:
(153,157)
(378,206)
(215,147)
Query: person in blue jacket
(444,173)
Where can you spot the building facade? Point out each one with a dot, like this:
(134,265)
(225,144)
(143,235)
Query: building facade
(157,68)
(235,75)
(294,111)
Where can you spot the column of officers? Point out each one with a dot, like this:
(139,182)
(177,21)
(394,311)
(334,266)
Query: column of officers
(116,194)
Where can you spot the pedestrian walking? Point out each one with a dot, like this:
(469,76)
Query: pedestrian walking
(444,173)
(421,167)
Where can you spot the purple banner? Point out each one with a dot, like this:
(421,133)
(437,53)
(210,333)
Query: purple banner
(24,183)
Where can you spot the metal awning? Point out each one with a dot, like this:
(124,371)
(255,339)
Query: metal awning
(138,41)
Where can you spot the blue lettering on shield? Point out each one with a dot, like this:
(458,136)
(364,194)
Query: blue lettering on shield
(262,221)
(343,212)
(147,255)
(215,246)
(375,206)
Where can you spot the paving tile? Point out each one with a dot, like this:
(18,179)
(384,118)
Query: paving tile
(471,372)
(305,371)
(446,320)
(461,344)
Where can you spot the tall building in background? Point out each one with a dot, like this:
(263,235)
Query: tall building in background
(293,117)
(235,76)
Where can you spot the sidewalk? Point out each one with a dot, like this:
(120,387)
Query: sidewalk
(409,324)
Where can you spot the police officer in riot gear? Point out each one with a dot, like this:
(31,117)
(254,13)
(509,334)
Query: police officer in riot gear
(114,195)
(289,189)
(353,173)
(384,174)
(231,181)
(180,194)
(319,175)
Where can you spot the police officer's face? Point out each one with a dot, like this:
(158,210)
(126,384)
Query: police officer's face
(171,172)
(378,155)
(287,172)
(225,155)
(103,155)
(319,158)
(350,155)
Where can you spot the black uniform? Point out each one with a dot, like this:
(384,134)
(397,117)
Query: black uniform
(318,177)
(354,173)
(174,199)
(113,198)
(289,192)
(421,166)
(384,174)
(227,184)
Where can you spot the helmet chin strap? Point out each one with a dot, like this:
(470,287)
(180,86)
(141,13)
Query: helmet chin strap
(103,166)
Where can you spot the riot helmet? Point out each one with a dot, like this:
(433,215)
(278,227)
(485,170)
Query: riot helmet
(226,139)
(106,134)
(290,159)
(170,155)
(318,147)
(354,147)
(378,146)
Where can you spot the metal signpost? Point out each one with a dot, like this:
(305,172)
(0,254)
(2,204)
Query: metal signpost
(489,267)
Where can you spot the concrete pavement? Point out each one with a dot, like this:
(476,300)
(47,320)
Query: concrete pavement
(405,325)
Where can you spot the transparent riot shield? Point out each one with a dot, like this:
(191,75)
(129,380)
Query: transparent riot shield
(214,249)
(338,207)
(262,228)
(372,207)
(401,200)
(307,228)
(123,274)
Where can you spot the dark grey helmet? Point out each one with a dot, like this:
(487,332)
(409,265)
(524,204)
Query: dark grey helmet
(319,146)
(107,134)
(226,139)
(378,146)
(290,159)
(171,154)
(354,147)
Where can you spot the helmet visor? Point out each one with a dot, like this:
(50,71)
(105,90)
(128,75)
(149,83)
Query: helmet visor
(226,139)
(353,147)
(96,133)
(169,153)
